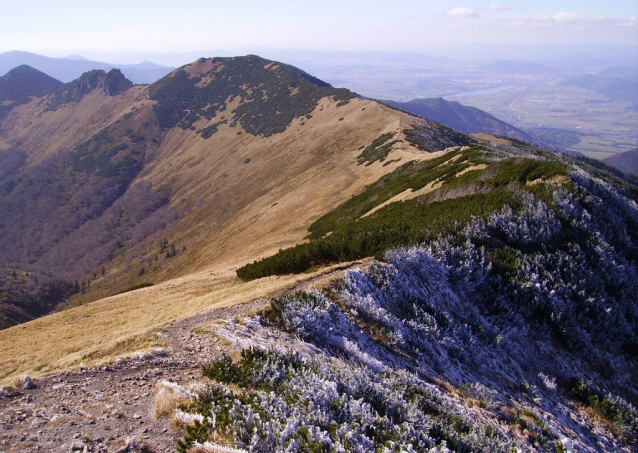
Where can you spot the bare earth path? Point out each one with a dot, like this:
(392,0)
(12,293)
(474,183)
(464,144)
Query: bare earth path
(97,410)
(111,408)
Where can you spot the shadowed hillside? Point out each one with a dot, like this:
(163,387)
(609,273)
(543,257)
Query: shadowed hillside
(20,84)
(626,162)
(462,118)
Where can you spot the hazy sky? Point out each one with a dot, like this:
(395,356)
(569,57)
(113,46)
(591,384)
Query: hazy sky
(55,26)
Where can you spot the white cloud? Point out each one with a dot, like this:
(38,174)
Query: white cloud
(499,7)
(570,17)
(462,12)
(565,16)
(566,20)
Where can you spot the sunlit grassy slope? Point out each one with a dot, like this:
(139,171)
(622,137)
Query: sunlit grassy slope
(236,197)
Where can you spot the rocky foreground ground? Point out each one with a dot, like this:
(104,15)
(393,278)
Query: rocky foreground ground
(111,408)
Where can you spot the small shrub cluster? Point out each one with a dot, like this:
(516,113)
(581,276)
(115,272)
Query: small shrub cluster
(619,415)
(378,150)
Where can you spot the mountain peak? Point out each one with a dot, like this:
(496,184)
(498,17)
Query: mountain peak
(20,84)
(27,72)
(110,83)
(269,94)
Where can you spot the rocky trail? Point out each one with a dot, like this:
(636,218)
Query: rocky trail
(111,408)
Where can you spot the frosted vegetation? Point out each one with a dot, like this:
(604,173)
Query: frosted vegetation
(518,330)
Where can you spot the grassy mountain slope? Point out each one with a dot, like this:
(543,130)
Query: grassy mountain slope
(462,118)
(196,204)
(138,199)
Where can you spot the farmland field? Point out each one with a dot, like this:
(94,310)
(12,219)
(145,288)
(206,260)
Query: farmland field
(568,117)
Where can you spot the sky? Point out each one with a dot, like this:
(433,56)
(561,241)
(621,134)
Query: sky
(60,27)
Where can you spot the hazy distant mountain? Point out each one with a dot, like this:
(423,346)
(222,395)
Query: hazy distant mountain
(520,67)
(75,57)
(68,69)
(460,117)
(25,80)
(20,84)
(612,87)
(622,72)
(626,162)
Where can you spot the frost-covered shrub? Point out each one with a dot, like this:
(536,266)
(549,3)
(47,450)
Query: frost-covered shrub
(209,447)
(479,392)
(169,396)
(544,288)
(186,418)
(548,383)
(534,224)
(621,417)
(335,405)
(309,315)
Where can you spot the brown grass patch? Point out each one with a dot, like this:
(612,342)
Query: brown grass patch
(168,398)
(232,213)
(489,138)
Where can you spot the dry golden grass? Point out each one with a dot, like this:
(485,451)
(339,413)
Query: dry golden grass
(232,213)
(61,130)
(489,138)
(106,329)
(167,400)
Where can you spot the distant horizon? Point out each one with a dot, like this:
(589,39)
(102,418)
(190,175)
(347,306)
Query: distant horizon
(401,26)
(542,53)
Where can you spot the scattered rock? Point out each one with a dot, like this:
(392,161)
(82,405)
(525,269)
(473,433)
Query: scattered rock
(92,403)
(27,383)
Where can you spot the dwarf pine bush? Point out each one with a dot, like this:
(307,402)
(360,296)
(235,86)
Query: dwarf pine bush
(546,286)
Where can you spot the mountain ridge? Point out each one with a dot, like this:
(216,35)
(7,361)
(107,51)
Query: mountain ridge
(105,159)
(627,162)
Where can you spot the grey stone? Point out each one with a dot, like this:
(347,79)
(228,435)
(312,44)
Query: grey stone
(27,383)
